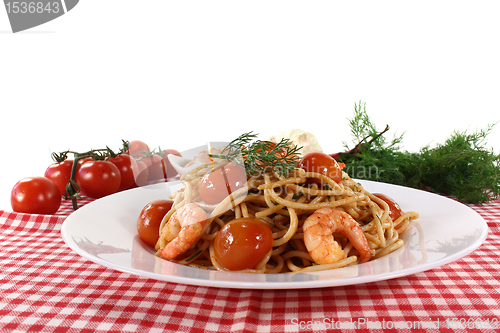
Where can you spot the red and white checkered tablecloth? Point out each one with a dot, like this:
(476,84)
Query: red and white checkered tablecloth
(45,287)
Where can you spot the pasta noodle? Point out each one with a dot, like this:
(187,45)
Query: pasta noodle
(283,204)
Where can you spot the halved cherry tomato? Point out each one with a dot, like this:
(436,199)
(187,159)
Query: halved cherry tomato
(148,223)
(98,178)
(221,182)
(242,244)
(128,168)
(35,195)
(60,174)
(322,163)
(394,209)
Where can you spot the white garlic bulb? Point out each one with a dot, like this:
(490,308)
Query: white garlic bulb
(300,138)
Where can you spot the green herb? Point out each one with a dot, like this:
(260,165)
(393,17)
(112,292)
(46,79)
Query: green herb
(372,158)
(194,256)
(461,167)
(261,156)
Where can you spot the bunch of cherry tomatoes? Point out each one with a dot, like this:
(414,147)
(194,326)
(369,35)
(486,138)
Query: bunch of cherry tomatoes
(95,174)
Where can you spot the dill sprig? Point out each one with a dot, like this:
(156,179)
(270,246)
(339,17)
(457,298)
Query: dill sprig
(365,132)
(259,156)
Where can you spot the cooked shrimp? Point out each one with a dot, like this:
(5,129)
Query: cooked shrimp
(318,236)
(182,230)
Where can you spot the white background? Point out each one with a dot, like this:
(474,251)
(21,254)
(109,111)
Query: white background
(176,74)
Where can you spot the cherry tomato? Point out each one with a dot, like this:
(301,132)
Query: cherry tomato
(322,163)
(137,149)
(141,178)
(268,146)
(242,244)
(128,168)
(336,156)
(155,167)
(98,178)
(35,195)
(394,209)
(221,182)
(60,174)
(148,223)
(271,145)
(169,170)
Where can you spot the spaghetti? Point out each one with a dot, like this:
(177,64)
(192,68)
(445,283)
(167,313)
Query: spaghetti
(284,203)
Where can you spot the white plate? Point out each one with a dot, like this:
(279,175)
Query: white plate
(104,231)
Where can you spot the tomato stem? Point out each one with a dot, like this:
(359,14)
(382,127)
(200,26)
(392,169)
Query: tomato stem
(72,188)
(60,157)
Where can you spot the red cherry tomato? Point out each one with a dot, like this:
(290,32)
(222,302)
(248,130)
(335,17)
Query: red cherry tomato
(221,182)
(268,146)
(128,168)
(242,244)
(35,195)
(137,149)
(98,178)
(83,160)
(394,209)
(141,178)
(148,223)
(155,167)
(169,170)
(322,163)
(60,174)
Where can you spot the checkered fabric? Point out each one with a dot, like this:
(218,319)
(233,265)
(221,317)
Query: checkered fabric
(45,287)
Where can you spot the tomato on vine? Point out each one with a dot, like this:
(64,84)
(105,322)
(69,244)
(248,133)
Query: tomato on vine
(35,195)
(129,170)
(169,170)
(155,167)
(60,173)
(142,176)
(136,148)
(98,178)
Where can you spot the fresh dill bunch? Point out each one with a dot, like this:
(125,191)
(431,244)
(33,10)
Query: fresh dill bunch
(259,156)
(461,167)
(380,165)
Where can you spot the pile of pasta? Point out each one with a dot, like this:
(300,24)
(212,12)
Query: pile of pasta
(284,203)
